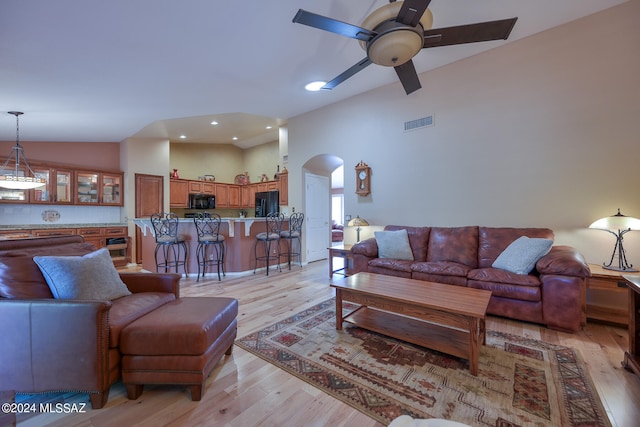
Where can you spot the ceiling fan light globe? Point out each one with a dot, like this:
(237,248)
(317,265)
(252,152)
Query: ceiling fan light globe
(394,48)
(390,12)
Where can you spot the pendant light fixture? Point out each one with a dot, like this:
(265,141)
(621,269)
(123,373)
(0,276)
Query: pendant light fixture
(11,179)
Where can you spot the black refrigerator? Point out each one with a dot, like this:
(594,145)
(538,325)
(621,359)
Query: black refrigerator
(267,202)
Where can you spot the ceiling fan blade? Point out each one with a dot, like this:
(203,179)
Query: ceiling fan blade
(333,25)
(408,77)
(471,33)
(411,11)
(346,74)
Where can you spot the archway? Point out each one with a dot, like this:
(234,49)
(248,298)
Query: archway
(316,174)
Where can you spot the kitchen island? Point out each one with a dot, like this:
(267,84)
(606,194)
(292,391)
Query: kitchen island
(240,238)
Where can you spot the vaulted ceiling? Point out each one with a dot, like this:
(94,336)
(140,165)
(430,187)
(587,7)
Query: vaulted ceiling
(90,70)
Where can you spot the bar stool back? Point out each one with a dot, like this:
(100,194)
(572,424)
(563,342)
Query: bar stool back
(208,228)
(293,233)
(268,239)
(169,242)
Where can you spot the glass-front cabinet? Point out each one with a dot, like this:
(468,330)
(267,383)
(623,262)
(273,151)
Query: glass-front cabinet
(57,189)
(66,185)
(87,189)
(99,188)
(111,189)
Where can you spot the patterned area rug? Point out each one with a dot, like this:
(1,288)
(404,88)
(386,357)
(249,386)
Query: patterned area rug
(521,382)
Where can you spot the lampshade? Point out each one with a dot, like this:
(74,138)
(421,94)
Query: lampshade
(617,222)
(11,179)
(357,222)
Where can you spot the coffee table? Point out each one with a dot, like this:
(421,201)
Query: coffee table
(446,318)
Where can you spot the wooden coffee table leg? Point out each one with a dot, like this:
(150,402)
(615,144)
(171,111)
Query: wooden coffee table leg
(474,350)
(339,309)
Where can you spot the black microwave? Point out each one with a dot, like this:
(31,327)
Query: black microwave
(202,201)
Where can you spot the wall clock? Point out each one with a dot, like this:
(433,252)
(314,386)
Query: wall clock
(363,179)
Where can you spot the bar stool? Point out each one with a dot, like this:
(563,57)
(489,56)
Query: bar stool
(208,228)
(165,228)
(293,233)
(268,238)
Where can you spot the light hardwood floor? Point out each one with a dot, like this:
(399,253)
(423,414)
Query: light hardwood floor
(244,390)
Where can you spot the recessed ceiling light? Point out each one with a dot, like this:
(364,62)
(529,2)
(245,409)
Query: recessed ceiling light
(314,86)
(235,138)
(214,123)
(269,127)
(183,136)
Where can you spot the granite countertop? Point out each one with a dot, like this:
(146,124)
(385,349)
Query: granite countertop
(53,226)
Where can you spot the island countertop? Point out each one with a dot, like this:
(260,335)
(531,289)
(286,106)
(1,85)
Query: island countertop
(145,223)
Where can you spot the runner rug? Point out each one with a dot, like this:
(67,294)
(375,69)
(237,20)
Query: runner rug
(521,381)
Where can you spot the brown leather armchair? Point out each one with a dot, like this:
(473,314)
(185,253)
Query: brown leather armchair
(65,345)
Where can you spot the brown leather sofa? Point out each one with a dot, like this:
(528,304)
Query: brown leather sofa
(553,294)
(66,345)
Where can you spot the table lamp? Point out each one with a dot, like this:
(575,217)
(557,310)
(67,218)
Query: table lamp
(358,222)
(618,225)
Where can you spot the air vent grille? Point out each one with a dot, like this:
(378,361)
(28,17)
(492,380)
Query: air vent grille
(418,123)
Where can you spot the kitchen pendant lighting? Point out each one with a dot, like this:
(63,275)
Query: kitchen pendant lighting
(11,179)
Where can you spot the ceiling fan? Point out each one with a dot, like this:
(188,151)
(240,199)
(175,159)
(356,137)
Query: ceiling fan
(394,33)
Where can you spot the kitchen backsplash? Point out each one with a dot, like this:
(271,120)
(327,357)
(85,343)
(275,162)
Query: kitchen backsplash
(57,214)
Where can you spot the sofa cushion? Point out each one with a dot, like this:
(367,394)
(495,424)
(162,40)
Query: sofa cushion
(456,244)
(20,277)
(494,240)
(87,277)
(445,268)
(131,307)
(418,239)
(497,275)
(391,267)
(522,254)
(393,244)
(508,290)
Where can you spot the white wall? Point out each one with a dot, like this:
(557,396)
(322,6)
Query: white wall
(541,132)
(144,156)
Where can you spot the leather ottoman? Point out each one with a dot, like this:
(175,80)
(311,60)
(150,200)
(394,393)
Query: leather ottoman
(178,343)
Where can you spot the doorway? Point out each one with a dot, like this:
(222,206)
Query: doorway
(149,200)
(317,214)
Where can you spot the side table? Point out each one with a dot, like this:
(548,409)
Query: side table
(632,356)
(610,282)
(340,251)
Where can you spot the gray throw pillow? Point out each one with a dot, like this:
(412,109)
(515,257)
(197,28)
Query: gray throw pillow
(394,244)
(91,276)
(521,255)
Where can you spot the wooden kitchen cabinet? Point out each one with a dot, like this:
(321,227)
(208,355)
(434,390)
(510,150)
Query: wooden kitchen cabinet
(248,196)
(235,201)
(111,189)
(87,188)
(202,187)
(99,188)
(115,239)
(284,188)
(71,186)
(179,193)
(53,232)
(57,190)
(222,195)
